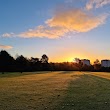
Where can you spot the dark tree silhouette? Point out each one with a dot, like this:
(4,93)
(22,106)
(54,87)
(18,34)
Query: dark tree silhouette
(35,64)
(97,65)
(44,58)
(44,61)
(6,61)
(79,64)
(96,61)
(22,63)
(34,60)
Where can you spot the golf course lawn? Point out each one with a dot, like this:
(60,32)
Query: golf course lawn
(55,91)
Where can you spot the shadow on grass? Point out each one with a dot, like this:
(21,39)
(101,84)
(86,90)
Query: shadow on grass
(66,72)
(87,93)
(18,74)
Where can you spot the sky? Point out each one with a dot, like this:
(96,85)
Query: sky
(61,29)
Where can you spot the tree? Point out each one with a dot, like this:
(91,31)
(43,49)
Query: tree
(6,61)
(44,58)
(79,63)
(44,62)
(77,60)
(96,62)
(22,63)
(34,60)
(97,65)
(35,64)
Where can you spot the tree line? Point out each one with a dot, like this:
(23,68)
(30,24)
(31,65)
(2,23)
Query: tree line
(23,64)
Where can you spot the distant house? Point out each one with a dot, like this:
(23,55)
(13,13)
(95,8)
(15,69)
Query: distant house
(105,63)
(86,62)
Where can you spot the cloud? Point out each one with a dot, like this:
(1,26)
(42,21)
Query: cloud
(8,34)
(76,20)
(5,47)
(65,21)
(44,31)
(96,4)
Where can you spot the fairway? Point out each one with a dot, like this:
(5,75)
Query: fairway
(55,91)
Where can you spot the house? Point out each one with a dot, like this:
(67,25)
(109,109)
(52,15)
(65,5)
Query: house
(105,63)
(86,62)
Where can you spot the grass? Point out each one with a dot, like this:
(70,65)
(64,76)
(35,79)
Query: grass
(55,91)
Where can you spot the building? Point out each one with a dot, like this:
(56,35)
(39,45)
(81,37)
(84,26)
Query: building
(86,62)
(105,63)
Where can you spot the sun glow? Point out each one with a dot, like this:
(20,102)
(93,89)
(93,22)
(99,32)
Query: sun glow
(69,57)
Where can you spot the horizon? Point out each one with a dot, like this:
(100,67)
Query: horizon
(73,61)
(61,29)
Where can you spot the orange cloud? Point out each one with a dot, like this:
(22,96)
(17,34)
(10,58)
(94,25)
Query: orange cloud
(72,20)
(76,20)
(5,47)
(44,31)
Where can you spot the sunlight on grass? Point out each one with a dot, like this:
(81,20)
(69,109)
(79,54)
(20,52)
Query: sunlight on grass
(102,74)
(54,91)
(32,90)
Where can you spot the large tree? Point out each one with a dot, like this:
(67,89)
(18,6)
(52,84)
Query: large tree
(22,63)
(44,62)
(6,61)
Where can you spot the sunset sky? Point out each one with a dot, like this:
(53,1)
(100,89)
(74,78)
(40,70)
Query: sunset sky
(61,29)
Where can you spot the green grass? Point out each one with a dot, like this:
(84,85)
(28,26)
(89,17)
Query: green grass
(55,91)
